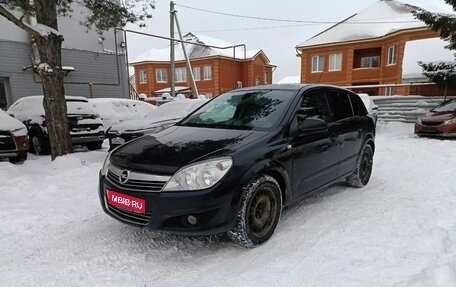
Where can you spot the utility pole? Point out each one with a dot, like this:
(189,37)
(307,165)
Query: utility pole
(172,54)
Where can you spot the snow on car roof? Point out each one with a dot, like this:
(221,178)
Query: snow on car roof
(377,20)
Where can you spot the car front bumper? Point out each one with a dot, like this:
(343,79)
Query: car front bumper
(447,131)
(215,209)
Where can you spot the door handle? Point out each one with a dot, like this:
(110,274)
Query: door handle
(323,147)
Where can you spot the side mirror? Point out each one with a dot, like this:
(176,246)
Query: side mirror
(311,124)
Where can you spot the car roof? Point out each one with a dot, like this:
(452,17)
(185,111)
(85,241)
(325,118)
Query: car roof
(293,87)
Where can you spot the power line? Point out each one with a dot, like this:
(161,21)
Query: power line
(254,28)
(300,21)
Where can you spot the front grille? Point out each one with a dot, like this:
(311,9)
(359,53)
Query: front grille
(137,218)
(85,127)
(427,123)
(136,181)
(6,141)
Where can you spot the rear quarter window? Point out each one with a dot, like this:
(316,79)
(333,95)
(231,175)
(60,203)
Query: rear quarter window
(359,108)
(340,104)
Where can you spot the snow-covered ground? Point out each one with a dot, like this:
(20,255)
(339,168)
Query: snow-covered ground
(400,230)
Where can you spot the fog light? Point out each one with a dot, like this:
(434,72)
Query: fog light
(192,220)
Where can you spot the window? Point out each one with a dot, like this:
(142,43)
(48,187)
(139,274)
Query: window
(197,73)
(208,95)
(257,81)
(318,63)
(392,55)
(358,106)
(370,62)
(266,77)
(238,84)
(340,105)
(314,105)
(207,71)
(161,75)
(181,74)
(143,76)
(335,62)
(389,91)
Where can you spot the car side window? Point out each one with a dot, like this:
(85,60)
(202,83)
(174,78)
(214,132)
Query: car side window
(340,105)
(314,105)
(358,106)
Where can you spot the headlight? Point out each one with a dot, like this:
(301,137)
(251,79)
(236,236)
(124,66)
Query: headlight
(201,175)
(107,161)
(450,122)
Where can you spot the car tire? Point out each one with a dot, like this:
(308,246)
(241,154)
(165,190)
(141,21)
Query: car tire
(259,213)
(39,145)
(94,145)
(18,159)
(361,175)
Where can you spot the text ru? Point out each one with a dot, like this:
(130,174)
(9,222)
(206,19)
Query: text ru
(126,201)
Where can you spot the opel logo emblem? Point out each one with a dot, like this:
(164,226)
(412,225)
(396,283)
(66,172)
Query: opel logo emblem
(123,178)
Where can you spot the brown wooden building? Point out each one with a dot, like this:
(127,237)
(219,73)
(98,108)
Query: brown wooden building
(215,70)
(371,48)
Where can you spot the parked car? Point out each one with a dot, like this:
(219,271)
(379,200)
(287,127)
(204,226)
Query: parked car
(85,124)
(231,165)
(161,118)
(113,111)
(13,138)
(438,122)
(371,107)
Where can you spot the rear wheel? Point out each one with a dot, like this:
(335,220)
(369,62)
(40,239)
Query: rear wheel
(259,212)
(361,175)
(39,145)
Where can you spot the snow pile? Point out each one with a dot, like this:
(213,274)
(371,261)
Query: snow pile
(400,230)
(113,111)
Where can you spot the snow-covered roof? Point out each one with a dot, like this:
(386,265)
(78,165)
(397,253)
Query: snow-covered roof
(196,51)
(434,51)
(382,18)
(290,80)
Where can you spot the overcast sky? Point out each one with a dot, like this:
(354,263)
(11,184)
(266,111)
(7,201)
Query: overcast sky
(277,39)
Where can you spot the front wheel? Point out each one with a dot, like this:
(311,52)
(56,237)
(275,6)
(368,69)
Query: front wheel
(259,212)
(362,174)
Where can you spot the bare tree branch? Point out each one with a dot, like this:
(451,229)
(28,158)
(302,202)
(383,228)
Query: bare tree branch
(18,22)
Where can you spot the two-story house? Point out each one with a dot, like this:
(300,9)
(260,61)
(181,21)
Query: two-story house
(369,49)
(215,70)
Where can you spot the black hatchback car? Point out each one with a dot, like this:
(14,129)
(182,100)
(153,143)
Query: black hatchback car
(231,165)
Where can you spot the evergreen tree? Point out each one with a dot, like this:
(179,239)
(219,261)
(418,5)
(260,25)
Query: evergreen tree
(103,15)
(441,73)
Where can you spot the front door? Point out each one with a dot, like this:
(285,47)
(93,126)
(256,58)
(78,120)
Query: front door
(315,154)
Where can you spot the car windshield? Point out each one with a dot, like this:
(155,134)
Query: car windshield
(257,110)
(448,106)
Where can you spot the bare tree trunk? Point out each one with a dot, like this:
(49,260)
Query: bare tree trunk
(52,77)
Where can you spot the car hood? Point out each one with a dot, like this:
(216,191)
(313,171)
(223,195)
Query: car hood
(169,150)
(142,125)
(8,123)
(439,116)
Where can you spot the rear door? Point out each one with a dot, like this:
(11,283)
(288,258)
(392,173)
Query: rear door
(315,154)
(348,128)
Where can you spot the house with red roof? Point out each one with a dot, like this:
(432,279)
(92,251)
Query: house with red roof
(375,51)
(216,69)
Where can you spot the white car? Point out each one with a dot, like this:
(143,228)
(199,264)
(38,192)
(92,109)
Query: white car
(113,111)
(163,117)
(84,123)
(371,107)
(13,138)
